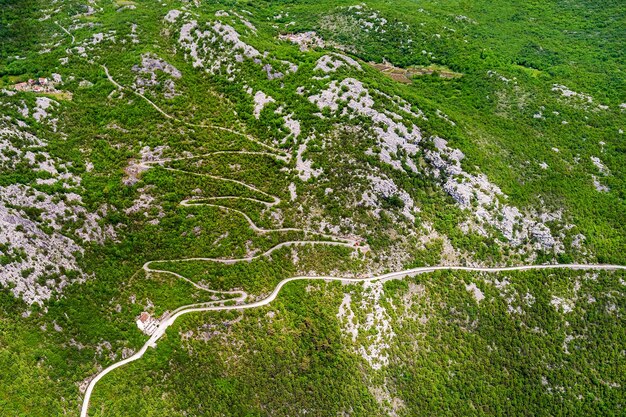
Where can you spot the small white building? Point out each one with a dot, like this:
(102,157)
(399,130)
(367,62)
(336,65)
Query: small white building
(147,323)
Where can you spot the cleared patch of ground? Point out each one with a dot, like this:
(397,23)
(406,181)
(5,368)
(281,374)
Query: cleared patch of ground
(405,75)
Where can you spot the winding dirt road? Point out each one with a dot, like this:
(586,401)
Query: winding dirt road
(66,31)
(251,138)
(212,306)
(241,296)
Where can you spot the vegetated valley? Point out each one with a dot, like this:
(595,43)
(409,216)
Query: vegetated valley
(166,165)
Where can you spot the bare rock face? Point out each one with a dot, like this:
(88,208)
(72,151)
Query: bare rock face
(147,78)
(304,167)
(386,188)
(260,100)
(218,48)
(376,324)
(332,62)
(38,261)
(475,193)
(172,15)
(600,165)
(393,135)
(578,99)
(42,259)
(400,141)
(41,233)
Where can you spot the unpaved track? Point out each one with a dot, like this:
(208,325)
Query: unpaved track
(241,296)
(251,138)
(212,306)
(66,31)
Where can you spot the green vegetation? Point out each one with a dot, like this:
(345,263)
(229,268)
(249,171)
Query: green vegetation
(480,358)
(485,76)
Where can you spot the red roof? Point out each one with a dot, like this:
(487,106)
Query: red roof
(144,317)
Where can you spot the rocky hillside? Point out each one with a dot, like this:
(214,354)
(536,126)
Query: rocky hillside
(340,138)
